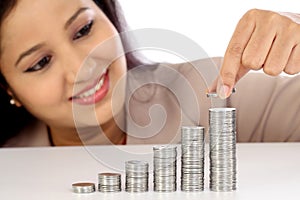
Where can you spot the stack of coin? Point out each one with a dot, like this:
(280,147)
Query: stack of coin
(164,176)
(109,182)
(192,158)
(222,130)
(83,187)
(137,175)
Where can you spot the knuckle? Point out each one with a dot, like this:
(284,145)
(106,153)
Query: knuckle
(274,17)
(235,50)
(297,31)
(292,27)
(266,18)
(291,70)
(272,71)
(251,63)
(288,29)
(252,12)
(228,76)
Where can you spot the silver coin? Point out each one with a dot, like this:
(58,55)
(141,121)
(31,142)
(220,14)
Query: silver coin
(83,187)
(164,168)
(192,158)
(114,188)
(137,175)
(109,182)
(222,147)
(214,94)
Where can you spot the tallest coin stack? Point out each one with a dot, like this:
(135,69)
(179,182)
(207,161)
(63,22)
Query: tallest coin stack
(222,132)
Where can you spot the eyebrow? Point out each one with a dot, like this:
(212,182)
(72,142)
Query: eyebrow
(39,46)
(28,52)
(74,16)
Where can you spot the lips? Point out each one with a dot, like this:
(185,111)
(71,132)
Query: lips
(93,93)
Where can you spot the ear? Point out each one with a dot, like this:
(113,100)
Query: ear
(16,100)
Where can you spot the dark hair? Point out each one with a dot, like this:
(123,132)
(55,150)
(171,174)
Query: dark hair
(14,119)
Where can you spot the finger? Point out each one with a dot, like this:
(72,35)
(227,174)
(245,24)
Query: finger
(258,47)
(293,65)
(233,55)
(224,91)
(278,55)
(242,72)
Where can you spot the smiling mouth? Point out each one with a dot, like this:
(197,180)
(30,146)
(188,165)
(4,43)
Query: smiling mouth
(90,92)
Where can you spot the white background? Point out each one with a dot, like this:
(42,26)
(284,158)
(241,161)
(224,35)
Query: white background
(209,23)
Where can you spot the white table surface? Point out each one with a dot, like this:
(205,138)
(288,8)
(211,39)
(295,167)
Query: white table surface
(265,171)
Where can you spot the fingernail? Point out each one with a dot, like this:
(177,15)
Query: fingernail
(224,92)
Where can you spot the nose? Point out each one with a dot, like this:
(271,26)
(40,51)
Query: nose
(78,67)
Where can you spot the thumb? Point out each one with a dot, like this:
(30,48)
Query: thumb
(224,87)
(227,80)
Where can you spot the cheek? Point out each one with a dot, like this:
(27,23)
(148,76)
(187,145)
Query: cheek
(118,71)
(107,45)
(119,83)
(39,94)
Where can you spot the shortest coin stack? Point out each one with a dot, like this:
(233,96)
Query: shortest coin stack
(137,175)
(83,187)
(109,182)
(164,176)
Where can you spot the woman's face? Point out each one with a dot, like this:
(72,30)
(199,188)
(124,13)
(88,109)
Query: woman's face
(44,45)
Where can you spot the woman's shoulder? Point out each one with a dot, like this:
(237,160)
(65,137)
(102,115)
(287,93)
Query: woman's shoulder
(33,135)
(196,64)
(164,97)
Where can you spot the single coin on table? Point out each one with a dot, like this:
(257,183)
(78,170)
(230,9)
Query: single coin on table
(83,187)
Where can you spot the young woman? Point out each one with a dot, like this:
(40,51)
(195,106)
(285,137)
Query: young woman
(65,81)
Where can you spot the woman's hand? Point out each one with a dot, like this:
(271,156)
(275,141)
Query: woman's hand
(262,39)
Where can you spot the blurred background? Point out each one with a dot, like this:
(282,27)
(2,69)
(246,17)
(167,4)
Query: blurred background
(209,23)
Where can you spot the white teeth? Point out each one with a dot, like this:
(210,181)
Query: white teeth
(92,90)
(98,86)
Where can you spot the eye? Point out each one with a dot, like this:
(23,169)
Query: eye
(84,31)
(40,65)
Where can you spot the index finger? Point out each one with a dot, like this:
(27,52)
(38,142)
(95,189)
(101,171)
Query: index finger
(232,68)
